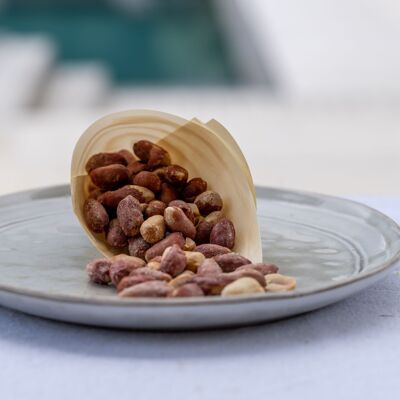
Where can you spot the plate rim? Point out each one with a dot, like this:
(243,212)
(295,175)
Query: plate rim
(63,189)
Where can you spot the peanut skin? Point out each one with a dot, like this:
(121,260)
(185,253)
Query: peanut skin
(95,215)
(129,216)
(211,250)
(208,202)
(209,267)
(116,236)
(122,265)
(188,290)
(177,221)
(137,247)
(98,271)
(231,261)
(148,180)
(148,289)
(168,193)
(264,268)
(104,159)
(112,198)
(176,175)
(223,234)
(158,248)
(155,207)
(193,188)
(173,261)
(110,177)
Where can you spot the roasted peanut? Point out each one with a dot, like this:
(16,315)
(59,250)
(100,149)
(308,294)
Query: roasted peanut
(231,261)
(193,260)
(264,268)
(158,248)
(209,267)
(122,265)
(279,283)
(195,210)
(147,194)
(133,280)
(214,217)
(211,284)
(153,229)
(104,159)
(193,188)
(129,216)
(160,172)
(112,198)
(173,261)
(151,154)
(110,177)
(208,202)
(242,286)
(137,247)
(154,264)
(96,216)
(176,175)
(189,244)
(223,234)
(188,290)
(248,272)
(203,231)
(155,207)
(185,207)
(211,250)
(181,279)
(168,193)
(98,271)
(135,167)
(156,275)
(147,289)
(177,221)
(115,235)
(148,180)
(140,275)
(129,157)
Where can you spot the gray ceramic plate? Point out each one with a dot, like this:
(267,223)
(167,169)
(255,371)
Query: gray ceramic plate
(333,247)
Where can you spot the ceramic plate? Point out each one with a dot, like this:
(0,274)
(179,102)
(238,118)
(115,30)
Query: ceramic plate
(333,247)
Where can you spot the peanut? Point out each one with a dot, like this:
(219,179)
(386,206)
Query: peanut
(209,267)
(133,280)
(137,247)
(214,217)
(168,193)
(223,234)
(193,188)
(151,154)
(185,207)
(110,177)
(188,290)
(195,210)
(208,202)
(242,286)
(193,260)
(279,283)
(153,264)
(148,180)
(176,175)
(122,265)
(115,235)
(211,284)
(96,216)
(112,198)
(153,229)
(173,261)
(155,207)
(203,231)
(104,159)
(98,271)
(158,248)
(129,157)
(177,221)
(189,244)
(211,250)
(129,216)
(231,261)
(181,279)
(250,273)
(264,268)
(135,167)
(147,194)
(147,289)
(156,275)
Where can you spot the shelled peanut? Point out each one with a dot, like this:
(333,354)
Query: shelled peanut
(179,241)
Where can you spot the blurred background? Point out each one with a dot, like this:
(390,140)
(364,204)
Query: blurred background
(310,90)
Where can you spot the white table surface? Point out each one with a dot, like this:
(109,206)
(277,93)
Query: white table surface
(350,350)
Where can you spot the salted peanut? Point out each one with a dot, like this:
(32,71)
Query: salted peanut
(148,180)
(129,157)
(189,244)
(140,275)
(153,229)
(173,261)
(279,283)
(137,247)
(208,202)
(211,284)
(209,267)
(122,265)
(193,260)
(168,193)
(195,209)
(214,217)
(223,234)
(184,207)
(104,159)
(231,261)
(96,216)
(98,271)
(157,275)
(250,273)
(176,175)
(203,232)
(193,188)
(242,286)
(143,207)
(129,216)
(177,221)
(158,248)
(135,167)
(264,268)
(188,290)
(112,198)
(155,207)
(211,250)
(147,289)
(110,177)
(147,194)
(115,235)
(153,264)
(151,154)
(160,172)
(181,279)
(129,281)
(198,220)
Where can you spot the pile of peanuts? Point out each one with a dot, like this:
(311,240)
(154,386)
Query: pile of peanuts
(179,242)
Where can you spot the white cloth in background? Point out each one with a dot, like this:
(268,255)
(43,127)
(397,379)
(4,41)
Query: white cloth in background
(350,350)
